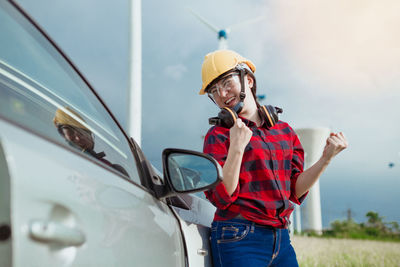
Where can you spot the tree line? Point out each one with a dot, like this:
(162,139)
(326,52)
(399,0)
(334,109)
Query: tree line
(374,228)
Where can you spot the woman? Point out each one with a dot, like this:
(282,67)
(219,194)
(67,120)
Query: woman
(262,161)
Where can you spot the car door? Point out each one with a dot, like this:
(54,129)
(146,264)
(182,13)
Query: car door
(195,215)
(72,212)
(72,189)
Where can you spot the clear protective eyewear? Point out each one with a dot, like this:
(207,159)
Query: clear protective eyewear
(68,130)
(224,84)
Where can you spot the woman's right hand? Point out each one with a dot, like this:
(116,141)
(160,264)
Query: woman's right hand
(240,136)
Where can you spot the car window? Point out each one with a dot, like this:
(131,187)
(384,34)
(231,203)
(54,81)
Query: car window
(42,92)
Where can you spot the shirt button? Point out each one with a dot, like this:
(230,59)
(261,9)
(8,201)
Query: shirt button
(274,154)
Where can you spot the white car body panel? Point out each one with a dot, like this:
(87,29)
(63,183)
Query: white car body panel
(123,225)
(195,224)
(75,190)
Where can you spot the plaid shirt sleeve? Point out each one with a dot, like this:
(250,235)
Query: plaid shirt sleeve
(216,144)
(297,166)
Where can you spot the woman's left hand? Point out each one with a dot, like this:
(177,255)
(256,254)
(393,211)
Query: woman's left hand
(335,143)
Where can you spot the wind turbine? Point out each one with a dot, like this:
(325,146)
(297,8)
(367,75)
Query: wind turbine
(313,141)
(221,32)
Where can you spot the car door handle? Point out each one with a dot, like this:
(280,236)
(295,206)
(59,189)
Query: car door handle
(54,232)
(202,252)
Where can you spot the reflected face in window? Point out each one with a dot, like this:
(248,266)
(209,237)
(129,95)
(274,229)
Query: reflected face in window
(77,136)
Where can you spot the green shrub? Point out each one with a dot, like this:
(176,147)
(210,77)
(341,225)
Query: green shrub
(374,228)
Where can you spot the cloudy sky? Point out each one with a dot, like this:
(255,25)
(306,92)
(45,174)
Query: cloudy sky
(332,64)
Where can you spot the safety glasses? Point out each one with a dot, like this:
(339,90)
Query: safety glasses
(69,130)
(224,84)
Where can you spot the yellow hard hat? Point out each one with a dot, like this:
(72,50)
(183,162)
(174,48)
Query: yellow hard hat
(62,118)
(219,62)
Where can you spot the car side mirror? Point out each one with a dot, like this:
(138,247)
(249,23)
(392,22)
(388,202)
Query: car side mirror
(187,171)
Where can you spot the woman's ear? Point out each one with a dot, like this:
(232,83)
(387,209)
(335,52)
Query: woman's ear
(250,81)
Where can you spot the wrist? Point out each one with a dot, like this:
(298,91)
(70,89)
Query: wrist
(325,160)
(236,150)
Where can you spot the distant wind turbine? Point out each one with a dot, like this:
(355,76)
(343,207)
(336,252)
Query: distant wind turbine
(223,33)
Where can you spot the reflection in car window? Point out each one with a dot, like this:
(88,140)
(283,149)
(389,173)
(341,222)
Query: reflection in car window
(38,87)
(79,136)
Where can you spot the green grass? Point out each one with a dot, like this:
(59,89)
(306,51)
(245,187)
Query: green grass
(326,252)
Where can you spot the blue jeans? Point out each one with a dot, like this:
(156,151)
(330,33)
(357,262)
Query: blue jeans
(242,243)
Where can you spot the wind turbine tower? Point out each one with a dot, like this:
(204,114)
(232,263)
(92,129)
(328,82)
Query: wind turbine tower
(134,120)
(313,141)
(223,33)
(222,38)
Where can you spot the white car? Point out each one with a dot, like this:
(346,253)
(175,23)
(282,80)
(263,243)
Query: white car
(74,189)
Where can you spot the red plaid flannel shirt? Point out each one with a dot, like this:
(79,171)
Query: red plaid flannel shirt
(272,162)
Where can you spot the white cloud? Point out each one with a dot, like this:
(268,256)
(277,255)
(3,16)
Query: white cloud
(352,44)
(175,72)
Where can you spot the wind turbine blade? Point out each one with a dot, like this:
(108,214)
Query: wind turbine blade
(202,19)
(246,22)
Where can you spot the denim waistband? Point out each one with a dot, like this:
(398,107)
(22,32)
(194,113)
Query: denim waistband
(245,221)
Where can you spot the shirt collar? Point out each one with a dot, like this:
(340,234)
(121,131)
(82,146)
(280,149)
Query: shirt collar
(251,124)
